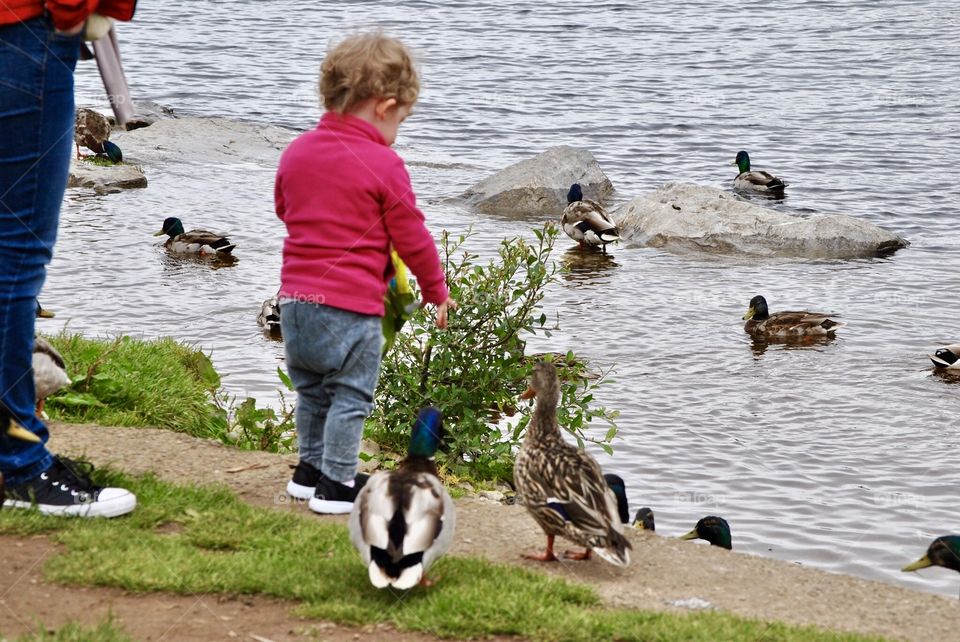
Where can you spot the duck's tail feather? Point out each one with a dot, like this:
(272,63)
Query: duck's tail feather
(617,550)
(409,577)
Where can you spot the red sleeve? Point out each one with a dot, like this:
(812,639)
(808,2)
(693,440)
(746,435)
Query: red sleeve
(70,13)
(67,14)
(410,237)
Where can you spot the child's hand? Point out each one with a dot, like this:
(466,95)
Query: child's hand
(442,312)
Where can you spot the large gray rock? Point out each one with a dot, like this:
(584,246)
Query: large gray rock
(105,179)
(684,216)
(539,185)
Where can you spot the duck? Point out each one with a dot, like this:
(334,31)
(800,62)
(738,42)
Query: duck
(619,488)
(13,429)
(760,323)
(269,317)
(194,241)
(43,313)
(586,222)
(91,130)
(403,519)
(644,521)
(947,357)
(713,529)
(756,181)
(562,487)
(943,551)
(49,372)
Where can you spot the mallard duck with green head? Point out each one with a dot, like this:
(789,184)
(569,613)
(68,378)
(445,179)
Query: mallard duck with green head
(403,519)
(619,488)
(193,242)
(943,551)
(644,521)
(562,487)
(713,529)
(756,181)
(586,222)
(760,323)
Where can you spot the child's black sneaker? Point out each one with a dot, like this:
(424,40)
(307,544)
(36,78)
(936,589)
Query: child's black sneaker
(65,489)
(304,482)
(333,498)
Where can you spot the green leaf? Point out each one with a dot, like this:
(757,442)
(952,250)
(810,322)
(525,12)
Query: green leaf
(285,378)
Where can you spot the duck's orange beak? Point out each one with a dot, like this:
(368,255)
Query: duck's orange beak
(529,393)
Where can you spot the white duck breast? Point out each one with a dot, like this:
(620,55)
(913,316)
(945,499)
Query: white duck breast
(49,369)
(402,521)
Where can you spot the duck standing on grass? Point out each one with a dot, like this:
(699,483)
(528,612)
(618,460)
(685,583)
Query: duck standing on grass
(756,181)
(403,519)
(943,551)
(713,529)
(586,222)
(193,242)
(760,323)
(49,372)
(563,487)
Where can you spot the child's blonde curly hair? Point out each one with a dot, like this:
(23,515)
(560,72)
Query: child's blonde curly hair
(369,65)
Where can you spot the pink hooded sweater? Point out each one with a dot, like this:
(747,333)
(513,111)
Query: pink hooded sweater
(345,196)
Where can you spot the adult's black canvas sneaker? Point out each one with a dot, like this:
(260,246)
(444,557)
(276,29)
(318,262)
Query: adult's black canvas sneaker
(65,489)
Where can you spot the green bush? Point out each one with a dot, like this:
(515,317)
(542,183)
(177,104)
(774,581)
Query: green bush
(475,370)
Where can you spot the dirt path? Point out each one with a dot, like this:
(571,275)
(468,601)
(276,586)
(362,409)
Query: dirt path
(664,573)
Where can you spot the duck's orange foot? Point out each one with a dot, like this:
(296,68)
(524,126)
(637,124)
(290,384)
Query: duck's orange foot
(546,556)
(577,555)
(427,582)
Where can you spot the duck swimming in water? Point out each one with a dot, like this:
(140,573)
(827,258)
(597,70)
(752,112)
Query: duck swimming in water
(760,323)
(194,241)
(756,181)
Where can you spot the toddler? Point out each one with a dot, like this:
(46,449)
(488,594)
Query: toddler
(346,199)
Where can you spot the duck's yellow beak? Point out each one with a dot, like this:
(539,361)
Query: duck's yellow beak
(691,535)
(160,233)
(734,163)
(17,431)
(923,562)
(46,314)
(529,393)
(749,314)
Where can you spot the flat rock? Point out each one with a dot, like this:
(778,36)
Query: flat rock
(105,179)
(539,185)
(683,216)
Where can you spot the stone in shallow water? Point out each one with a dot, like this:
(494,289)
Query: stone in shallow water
(539,185)
(682,216)
(105,178)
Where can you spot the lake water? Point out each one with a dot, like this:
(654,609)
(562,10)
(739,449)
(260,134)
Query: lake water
(840,456)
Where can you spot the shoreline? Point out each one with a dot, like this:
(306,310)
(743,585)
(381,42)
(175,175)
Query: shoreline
(666,574)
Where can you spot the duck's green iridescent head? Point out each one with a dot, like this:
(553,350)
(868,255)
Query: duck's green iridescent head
(427,432)
(943,551)
(113,152)
(619,488)
(742,161)
(757,310)
(644,520)
(171,227)
(713,529)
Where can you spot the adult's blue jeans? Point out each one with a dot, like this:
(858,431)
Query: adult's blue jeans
(333,358)
(36,140)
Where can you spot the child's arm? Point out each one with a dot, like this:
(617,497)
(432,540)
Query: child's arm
(278,203)
(408,233)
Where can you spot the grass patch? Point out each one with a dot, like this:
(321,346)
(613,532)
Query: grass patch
(190,540)
(101,160)
(104,632)
(136,382)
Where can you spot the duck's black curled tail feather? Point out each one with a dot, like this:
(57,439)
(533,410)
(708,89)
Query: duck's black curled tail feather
(616,549)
